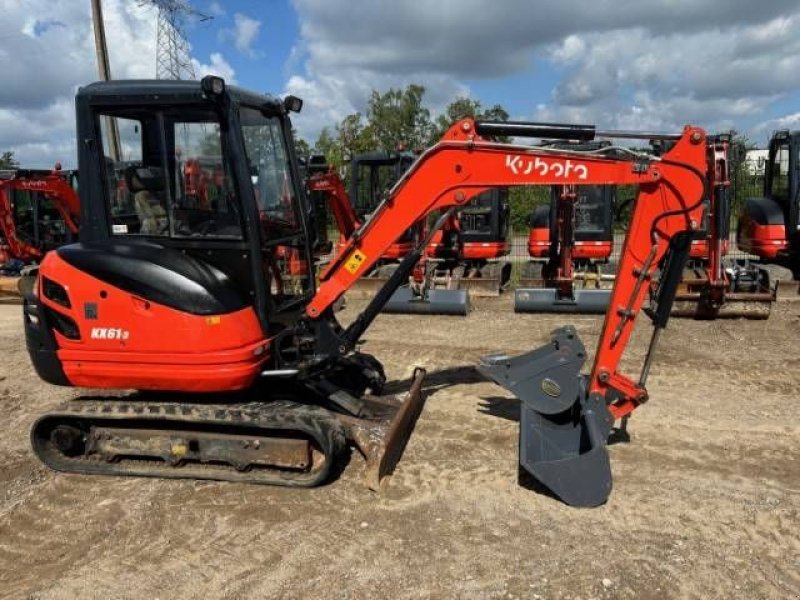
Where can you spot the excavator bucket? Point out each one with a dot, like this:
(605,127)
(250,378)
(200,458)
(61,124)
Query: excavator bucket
(563,430)
(433,302)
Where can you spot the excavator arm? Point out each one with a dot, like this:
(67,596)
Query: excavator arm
(566,416)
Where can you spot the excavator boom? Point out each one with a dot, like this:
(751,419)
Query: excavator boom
(566,417)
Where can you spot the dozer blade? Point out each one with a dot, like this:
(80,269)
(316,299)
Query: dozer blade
(563,432)
(736,306)
(436,302)
(382,441)
(547,300)
(9,290)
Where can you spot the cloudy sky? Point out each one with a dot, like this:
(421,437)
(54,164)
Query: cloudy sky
(626,64)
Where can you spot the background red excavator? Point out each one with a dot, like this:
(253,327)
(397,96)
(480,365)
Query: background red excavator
(38,211)
(570,241)
(279,385)
(574,235)
(711,286)
(769,225)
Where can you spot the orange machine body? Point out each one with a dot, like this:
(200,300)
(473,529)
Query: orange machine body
(137,343)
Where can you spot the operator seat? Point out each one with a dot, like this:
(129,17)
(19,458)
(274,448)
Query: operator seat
(147,184)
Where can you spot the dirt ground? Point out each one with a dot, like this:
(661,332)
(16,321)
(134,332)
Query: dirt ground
(705,504)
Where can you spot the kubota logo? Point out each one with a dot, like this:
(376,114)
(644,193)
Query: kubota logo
(546,166)
(109,333)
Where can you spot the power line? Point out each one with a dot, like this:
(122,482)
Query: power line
(173,60)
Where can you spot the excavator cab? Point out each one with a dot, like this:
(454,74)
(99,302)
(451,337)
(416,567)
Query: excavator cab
(769,226)
(192,227)
(371,175)
(222,247)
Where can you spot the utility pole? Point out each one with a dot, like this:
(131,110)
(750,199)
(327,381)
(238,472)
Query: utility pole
(105,73)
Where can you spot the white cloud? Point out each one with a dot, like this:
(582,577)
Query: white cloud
(243,33)
(218,66)
(624,62)
(215,9)
(47,51)
(790,121)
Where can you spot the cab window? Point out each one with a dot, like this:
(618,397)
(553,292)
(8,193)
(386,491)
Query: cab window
(780,173)
(167,175)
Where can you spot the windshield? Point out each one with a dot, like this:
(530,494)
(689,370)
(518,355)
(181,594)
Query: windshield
(590,209)
(167,176)
(270,174)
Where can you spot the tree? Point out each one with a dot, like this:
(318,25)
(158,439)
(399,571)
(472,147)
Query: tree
(328,146)
(462,108)
(399,118)
(302,148)
(7,160)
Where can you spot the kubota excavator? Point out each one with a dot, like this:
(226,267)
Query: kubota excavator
(769,226)
(38,211)
(574,233)
(712,287)
(191,301)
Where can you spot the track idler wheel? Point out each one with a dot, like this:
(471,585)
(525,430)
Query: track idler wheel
(563,431)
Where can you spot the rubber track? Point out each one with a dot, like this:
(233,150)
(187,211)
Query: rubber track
(313,421)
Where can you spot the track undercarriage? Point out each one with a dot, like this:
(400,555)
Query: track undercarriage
(281,442)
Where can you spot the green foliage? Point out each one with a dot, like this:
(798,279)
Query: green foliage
(398,118)
(523,200)
(461,108)
(7,160)
(302,148)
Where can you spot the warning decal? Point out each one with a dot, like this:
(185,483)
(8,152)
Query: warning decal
(354,262)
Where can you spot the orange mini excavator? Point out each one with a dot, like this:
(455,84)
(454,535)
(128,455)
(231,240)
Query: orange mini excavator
(39,210)
(186,299)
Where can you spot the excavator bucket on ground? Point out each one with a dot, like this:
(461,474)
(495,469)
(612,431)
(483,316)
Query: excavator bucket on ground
(563,431)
